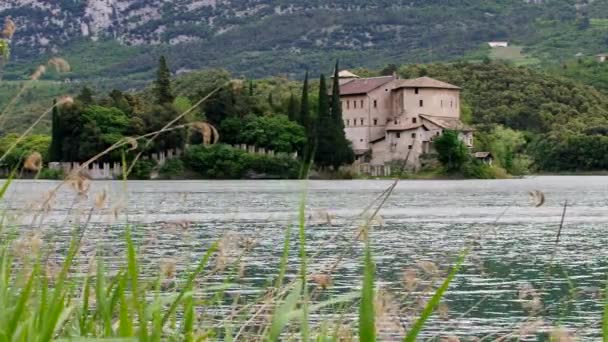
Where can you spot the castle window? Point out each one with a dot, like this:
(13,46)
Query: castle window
(398,135)
(362,103)
(441,103)
(396,122)
(414,135)
(416,90)
(409,147)
(451,103)
(347,122)
(375,103)
(361,140)
(421,103)
(375,122)
(347,104)
(354,122)
(414,120)
(355,104)
(362,121)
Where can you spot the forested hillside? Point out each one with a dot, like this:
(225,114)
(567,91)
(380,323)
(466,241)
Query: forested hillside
(123,38)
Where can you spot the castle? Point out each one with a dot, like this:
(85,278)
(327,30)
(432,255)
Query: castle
(388,119)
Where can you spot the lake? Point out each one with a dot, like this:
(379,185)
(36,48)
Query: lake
(505,287)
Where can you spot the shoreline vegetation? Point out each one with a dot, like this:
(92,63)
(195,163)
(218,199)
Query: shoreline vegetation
(281,115)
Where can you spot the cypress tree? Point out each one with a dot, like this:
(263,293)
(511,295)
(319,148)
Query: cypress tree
(250,88)
(324,153)
(343,152)
(163,83)
(304,118)
(270,100)
(292,108)
(56,135)
(305,121)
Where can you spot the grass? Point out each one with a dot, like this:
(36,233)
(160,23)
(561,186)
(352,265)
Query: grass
(513,53)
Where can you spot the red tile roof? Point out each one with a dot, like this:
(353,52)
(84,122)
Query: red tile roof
(364,85)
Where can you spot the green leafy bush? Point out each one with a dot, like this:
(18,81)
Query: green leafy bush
(224,162)
(173,168)
(142,169)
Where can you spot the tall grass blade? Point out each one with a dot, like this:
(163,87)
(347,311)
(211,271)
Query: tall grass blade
(367,324)
(435,300)
(605,316)
(7,183)
(21,304)
(303,267)
(57,303)
(125,328)
(133,272)
(188,286)
(284,257)
(281,316)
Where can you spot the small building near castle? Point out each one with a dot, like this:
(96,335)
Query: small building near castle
(389,120)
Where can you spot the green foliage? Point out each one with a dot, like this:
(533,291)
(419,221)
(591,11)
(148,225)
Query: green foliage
(56,135)
(47,173)
(224,162)
(507,146)
(326,132)
(276,133)
(452,152)
(173,168)
(29,144)
(162,86)
(142,169)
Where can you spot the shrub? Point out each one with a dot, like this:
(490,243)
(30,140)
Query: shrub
(47,173)
(173,168)
(224,162)
(142,169)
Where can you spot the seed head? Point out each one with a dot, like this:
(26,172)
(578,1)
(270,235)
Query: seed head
(60,64)
(33,162)
(167,268)
(562,335)
(66,101)
(100,199)
(9,29)
(322,280)
(41,70)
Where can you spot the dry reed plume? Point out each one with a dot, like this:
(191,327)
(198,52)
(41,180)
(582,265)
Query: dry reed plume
(33,162)
(9,29)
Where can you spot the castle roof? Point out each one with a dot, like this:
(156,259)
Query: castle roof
(424,82)
(364,85)
(447,122)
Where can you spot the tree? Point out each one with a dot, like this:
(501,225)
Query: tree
(326,133)
(56,135)
(304,118)
(453,154)
(343,151)
(85,96)
(275,132)
(162,87)
(292,108)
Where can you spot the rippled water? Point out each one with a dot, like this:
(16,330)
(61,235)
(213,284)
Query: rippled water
(421,221)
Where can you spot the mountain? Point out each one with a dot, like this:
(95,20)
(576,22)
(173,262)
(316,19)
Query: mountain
(123,38)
